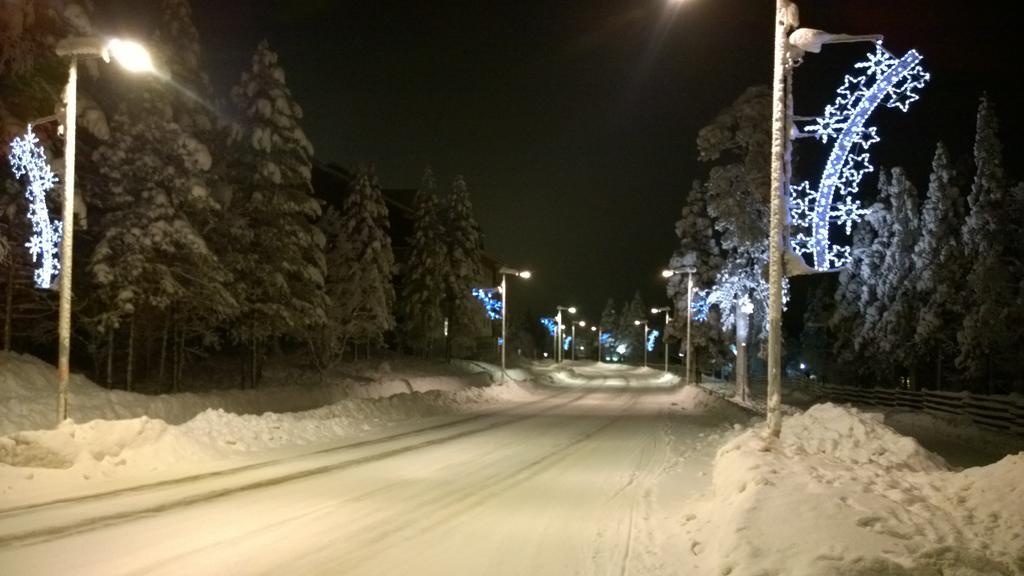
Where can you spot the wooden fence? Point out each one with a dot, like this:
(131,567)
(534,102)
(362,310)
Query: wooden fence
(1004,413)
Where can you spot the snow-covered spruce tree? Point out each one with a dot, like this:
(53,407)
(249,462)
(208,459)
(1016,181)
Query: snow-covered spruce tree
(698,247)
(628,333)
(150,257)
(939,266)
(359,277)
(179,52)
(423,276)
(898,299)
(463,249)
(870,305)
(984,337)
(609,325)
(269,239)
(847,320)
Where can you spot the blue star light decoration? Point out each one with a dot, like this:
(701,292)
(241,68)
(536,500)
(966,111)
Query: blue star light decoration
(550,324)
(886,80)
(28,158)
(652,336)
(566,342)
(492,305)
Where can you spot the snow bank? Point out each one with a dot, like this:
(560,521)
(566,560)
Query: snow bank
(842,493)
(28,393)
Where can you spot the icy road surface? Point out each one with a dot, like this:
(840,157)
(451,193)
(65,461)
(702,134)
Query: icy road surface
(593,477)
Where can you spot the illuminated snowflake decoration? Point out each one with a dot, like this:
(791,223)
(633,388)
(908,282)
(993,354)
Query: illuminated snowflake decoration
(652,336)
(492,305)
(700,305)
(550,324)
(886,80)
(28,158)
(566,342)
(606,338)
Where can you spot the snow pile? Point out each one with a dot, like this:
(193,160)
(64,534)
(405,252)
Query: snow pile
(842,493)
(28,393)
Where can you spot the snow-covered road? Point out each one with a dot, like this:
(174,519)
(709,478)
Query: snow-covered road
(590,478)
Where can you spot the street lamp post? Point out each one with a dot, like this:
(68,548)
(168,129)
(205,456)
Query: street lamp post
(581,324)
(134,58)
(558,330)
(598,344)
(664,338)
(689,271)
(644,343)
(525,275)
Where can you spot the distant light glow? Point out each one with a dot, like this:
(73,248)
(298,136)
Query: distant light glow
(28,158)
(621,349)
(887,80)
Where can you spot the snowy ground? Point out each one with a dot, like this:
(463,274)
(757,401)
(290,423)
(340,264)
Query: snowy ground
(586,470)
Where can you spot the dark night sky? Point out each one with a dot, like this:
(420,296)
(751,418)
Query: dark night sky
(574,122)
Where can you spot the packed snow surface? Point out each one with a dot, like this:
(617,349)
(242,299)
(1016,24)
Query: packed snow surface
(590,469)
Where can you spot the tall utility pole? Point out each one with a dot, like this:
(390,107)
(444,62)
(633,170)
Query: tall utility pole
(664,338)
(785,19)
(525,275)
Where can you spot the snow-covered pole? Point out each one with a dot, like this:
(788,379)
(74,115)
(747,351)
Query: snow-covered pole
(558,330)
(134,58)
(504,315)
(785,19)
(64,311)
(689,306)
(664,340)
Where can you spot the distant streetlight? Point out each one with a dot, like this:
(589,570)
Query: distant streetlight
(664,339)
(134,58)
(689,271)
(581,324)
(644,343)
(525,275)
(558,330)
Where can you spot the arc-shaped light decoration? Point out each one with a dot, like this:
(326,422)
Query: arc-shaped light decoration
(887,80)
(28,158)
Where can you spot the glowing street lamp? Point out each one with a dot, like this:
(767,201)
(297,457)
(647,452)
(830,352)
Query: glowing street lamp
(644,345)
(664,340)
(525,275)
(689,271)
(134,58)
(558,330)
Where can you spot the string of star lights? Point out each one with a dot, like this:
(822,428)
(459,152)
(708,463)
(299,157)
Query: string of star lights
(651,337)
(27,157)
(885,79)
(492,304)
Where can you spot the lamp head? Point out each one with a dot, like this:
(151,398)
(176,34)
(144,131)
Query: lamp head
(572,309)
(132,56)
(582,323)
(667,273)
(525,274)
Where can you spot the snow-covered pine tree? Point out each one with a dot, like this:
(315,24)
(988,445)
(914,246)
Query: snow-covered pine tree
(896,294)
(847,320)
(938,265)
(628,332)
(270,241)
(609,325)
(179,52)
(359,278)
(423,276)
(984,336)
(871,307)
(150,257)
(699,248)
(463,249)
